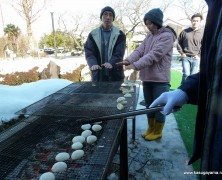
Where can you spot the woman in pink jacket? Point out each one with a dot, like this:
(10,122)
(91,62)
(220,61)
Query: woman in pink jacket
(153,59)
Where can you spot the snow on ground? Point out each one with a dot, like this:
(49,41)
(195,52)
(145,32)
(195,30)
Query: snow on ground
(24,65)
(14,98)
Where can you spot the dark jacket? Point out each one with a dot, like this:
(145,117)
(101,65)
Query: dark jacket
(93,53)
(205,90)
(189,41)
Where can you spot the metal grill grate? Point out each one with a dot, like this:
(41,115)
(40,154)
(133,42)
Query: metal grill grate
(35,152)
(77,102)
(100,88)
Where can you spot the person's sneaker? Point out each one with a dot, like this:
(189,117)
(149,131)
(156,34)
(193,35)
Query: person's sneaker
(142,103)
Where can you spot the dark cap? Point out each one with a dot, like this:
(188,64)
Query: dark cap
(155,16)
(107,8)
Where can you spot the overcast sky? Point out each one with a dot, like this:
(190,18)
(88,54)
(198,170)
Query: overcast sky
(44,23)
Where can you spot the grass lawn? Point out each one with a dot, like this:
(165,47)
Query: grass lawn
(185,118)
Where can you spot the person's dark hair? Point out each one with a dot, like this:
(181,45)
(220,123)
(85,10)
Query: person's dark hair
(173,31)
(197,15)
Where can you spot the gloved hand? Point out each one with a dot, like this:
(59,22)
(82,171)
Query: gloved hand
(170,100)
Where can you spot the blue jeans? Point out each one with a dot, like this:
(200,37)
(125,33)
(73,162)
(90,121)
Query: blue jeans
(190,66)
(151,91)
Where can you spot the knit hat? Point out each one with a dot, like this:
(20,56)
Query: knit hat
(155,16)
(107,8)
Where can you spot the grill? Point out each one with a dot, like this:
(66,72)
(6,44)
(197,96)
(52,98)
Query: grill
(52,124)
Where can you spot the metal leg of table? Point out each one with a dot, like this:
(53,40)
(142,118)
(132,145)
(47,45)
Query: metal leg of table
(124,153)
(133,128)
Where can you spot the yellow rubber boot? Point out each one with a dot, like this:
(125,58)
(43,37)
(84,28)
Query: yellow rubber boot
(157,133)
(151,124)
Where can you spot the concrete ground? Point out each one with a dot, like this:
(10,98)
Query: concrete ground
(165,158)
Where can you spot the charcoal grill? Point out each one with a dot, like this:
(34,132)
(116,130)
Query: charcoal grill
(33,152)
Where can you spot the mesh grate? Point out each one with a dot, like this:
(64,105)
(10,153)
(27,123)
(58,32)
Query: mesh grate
(100,88)
(78,102)
(35,152)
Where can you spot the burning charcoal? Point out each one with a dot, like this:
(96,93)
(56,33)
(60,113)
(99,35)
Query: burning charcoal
(28,173)
(39,147)
(66,144)
(62,175)
(37,156)
(74,165)
(51,156)
(49,147)
(59,141)
(43,168)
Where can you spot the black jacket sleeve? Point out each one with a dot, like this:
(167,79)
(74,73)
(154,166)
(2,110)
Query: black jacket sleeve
(190,86)
(91,52)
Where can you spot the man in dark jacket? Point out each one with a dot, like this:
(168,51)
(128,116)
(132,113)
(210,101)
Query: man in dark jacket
(104,47)
(205,90)
(189,45)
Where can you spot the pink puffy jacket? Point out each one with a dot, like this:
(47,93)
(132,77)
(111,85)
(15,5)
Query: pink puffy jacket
(153,57)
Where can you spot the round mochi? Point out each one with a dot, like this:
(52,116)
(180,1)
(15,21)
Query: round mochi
(47,176)
(96,127)
(77,145)
(91,139)
(62,156)
(78,139)
(85,126)
(86,133)
(77,154)
(120,106)
(127,95)
(120,99)
(59,167)
(124,102)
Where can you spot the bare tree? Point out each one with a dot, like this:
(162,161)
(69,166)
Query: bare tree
(76,26)
(190,8)
(29,10)
(165,4)
(130,14)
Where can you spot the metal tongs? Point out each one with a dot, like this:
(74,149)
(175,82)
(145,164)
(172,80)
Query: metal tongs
(127,114)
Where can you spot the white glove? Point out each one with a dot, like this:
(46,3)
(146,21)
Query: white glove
(170,100)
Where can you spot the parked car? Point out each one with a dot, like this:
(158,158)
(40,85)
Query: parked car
(49,51)
(76,52)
